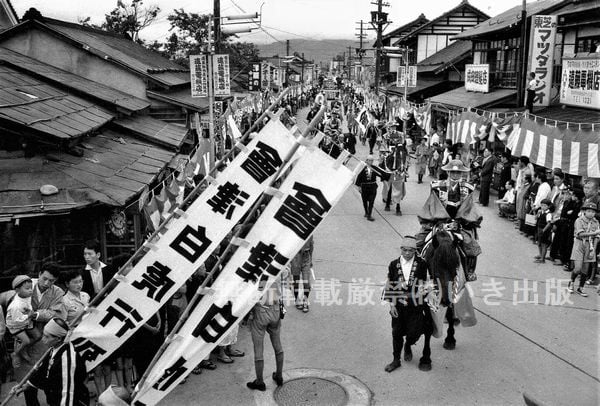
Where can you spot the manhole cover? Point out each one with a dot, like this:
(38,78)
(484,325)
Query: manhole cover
(310,391)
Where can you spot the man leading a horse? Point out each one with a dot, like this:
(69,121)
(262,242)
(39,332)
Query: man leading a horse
(448,242)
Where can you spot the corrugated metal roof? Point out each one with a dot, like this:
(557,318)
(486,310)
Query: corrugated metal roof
(115,167)
(71,81)
(27,101)
(121,49)
(169,135)
(509,18)
(449,55)
(462,98)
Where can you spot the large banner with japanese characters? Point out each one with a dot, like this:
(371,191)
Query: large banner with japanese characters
(543,34)
(313,186)
(187,241)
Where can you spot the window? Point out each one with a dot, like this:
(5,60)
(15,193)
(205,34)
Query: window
(502,56)
(588,44)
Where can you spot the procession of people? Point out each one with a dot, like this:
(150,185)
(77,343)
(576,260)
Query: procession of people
(418,286)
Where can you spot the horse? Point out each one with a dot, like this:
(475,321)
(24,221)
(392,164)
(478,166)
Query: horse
(445,260)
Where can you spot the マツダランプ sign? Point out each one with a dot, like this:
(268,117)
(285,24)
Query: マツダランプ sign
(314,185)
(186,243)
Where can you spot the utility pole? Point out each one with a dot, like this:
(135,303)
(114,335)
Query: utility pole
(361,35)
(378,20)
(287,65)
(522,74)
(217,20)
(349,63)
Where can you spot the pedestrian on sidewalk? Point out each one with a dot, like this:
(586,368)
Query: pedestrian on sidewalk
(367,182)
(422,154)
(486,174)
(587,231)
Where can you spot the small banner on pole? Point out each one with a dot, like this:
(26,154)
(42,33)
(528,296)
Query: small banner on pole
(185,245)
(199,75)
(221,75)
(314,185)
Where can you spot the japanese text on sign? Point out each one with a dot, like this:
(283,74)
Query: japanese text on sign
(412,76)
(199,75)
(221,75)
(580,82)
(477,78)
(543,33)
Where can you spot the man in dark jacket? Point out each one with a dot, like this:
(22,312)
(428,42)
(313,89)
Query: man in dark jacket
(96,273)
(367,182)
(487,171)
(405,290)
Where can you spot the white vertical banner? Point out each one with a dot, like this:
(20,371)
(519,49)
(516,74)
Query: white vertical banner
(314,185)
(199,75)
(402,77)
(265,76)
(222,80)
(543,35)
(187,242)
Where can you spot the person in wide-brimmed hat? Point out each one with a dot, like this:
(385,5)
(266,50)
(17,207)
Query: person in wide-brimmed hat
(451,202)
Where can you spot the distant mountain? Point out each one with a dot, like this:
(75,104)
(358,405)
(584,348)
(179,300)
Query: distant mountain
(317,50)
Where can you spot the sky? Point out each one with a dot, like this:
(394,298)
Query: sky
(281,19)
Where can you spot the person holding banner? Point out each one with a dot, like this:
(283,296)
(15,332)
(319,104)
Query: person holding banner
(62,375)
(265,317)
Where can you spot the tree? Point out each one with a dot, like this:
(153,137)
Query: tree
(130,20)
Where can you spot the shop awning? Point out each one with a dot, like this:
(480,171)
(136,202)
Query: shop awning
(421,85)
(461,98)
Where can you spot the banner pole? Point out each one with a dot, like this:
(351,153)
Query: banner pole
(197,296)
(113,281)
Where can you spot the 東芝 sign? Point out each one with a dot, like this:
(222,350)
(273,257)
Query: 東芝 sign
(543,34)
(477,78)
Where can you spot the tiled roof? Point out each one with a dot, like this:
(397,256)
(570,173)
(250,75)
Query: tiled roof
(29,102)
(111,47)
(114,168)
(408,27)
(181,97)
(508,18)
(421,85)
(446,56)
(71,81)
(151,129)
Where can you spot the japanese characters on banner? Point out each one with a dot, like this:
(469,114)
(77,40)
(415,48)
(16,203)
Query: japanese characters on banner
(401,76)
(184,246)
(477,78)
(221,75)
(265,76)
(580,82)
(307,195)
(254,79)
(543,35)
(576,151)
(199,75)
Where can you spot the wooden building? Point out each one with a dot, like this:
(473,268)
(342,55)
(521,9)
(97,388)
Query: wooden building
(74,157)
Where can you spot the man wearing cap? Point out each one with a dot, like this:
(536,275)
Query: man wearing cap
(367,182)
(62,374)
(451,202)
(408,282)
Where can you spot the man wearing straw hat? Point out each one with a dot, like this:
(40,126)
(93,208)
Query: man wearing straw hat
(451,202)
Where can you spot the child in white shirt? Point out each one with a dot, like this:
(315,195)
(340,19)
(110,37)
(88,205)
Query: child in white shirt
(19,318)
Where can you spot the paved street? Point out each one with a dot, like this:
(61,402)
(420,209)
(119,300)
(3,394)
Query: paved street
(548,351)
